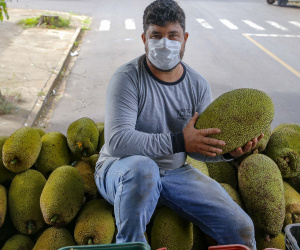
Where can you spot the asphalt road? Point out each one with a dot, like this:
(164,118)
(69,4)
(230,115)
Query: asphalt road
(233,44)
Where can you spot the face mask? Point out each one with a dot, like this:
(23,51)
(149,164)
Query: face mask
(164,53)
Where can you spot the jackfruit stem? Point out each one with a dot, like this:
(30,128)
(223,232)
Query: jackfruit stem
(255,151)
(295,217)
(267,238)
(54,218)
(30,227)
(90,241)
(287,159)
(14,161)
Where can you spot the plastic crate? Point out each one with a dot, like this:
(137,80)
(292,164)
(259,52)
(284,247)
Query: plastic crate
(292,236)
(118,246)
(229,247)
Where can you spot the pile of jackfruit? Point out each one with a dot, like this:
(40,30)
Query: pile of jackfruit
(49,198)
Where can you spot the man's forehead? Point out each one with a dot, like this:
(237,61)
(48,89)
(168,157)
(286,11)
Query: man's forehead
(168,28)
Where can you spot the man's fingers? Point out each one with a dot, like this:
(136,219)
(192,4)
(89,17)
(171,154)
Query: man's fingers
(209,131)
(194,119)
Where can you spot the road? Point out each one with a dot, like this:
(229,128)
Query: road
(232,43)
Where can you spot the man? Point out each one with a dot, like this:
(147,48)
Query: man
(152,104)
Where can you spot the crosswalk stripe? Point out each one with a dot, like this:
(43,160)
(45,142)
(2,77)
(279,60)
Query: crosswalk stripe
(130,24)
(295,23)
(253,25)
(204,23)
(229,24)
(277,25)
(104,25)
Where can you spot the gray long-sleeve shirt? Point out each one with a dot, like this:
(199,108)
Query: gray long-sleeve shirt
(142,112)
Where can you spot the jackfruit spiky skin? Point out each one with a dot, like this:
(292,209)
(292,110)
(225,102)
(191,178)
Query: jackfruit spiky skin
(24,201)
(235,195)
(18,242)
(83,137)
(21,149)
(171,231)
(240,114)
(223,172)
(200,165)
(274,243)
(96,223)
(292,205)
(54,153)
(5,174)
(284,148)
(100,126)
(62,196)
(261,187)
(3,204)
(54,238)
(93,160)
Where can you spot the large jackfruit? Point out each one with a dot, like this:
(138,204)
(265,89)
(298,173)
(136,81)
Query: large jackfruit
(24,201)
(284,148)
(83,137)
(62,196)
(240,114)
(18,242)
(200,165)
(274,243)
(21,149)
(95,223)
(54,238)
(292,205)
(3,204)
(54,153)
(5,174)
(235,195)
(261,187)
(171,231)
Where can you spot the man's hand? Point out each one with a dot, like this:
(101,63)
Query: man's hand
(197,142)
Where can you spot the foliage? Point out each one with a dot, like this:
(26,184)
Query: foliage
(49,23)
(3,10)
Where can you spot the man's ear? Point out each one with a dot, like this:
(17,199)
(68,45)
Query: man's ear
(186,35)
(144,38)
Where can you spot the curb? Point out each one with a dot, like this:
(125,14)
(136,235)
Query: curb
(48,88)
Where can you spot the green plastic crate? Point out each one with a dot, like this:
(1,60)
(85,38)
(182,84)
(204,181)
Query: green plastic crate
(118,246)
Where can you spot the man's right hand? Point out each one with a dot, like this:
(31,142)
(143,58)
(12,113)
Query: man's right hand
(197,142)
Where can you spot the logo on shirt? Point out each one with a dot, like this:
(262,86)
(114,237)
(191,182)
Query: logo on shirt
(184,114)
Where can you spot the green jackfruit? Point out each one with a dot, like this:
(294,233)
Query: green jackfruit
(54,153)
(24,201)
(21,149)
(223,172)
(40,131)
(18,242)
(100,126)
(292,205)
(274,243)
(200,165)
(5,174)
(83,137)
(240,114)
(93,160)
(235,195)
(171,231)
(284,148)
(261,187)
(3,204)
(62,196)
(54,238)
(95,223)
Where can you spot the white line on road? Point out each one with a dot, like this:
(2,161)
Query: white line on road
(204,23)
(253,25)
(229,24)
(273,35)
(104,25)
(130,24)
(295,23)
(277,25)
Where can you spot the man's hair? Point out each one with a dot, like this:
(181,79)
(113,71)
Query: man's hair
(160,12)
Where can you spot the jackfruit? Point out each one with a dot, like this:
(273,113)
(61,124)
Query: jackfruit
(294,182)
(18,242)
(274,243)
(5,174)
(3,204)
(62,196)
(284,148)
(83,137)
(235,195)
(100,126)
(200,165)
(93,160)
(54,238)
(261,187)
(223,172)
(292,205)
(171,231)
(21,149)
(95,223)
(54,153)
(24,201)
(240,114)
(40,131)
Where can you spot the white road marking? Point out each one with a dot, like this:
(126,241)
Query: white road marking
(104,25)
(130,24)
(229,24)
(273,35)
(204,23)
(277,25)
(295,23)
(253,25)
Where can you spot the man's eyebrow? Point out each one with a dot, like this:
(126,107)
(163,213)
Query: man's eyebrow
(155,32)
(173,32)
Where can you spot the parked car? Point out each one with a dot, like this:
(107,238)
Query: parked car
(283,2)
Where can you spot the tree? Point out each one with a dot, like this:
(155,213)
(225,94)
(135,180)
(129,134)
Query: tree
(3,10)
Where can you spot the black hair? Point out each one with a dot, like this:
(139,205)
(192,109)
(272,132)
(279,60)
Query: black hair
(160,12)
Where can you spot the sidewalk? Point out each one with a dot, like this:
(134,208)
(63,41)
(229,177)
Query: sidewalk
(30,61)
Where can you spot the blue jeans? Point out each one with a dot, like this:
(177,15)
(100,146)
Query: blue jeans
(135,185)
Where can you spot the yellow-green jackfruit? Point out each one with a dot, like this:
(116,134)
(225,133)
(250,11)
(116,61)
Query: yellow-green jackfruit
(171,231)
(83,137)
(54,238)
(54,153)
(95,223)
(40,131)
(18,242)
(93,160)
(3,204)
(292,205)
(261,187)
(21,149)
(100,126)
(284,148)
(24,201)
(235,195)
(240,114)
(274,243)
(62,196)
(5,174)
(200,165)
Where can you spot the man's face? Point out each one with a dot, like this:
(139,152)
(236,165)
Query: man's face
(172,31)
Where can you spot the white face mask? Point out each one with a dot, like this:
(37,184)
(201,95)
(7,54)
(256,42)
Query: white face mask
(164,53)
